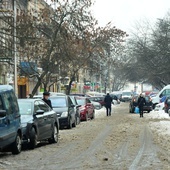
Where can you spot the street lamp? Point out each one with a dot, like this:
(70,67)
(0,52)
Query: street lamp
(15,50)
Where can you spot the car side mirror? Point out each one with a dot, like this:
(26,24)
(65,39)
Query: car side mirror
(39,112)
(3,113)
(78,106)
(72,105)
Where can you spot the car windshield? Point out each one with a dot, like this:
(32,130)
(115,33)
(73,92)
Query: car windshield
(81,101)
(126,93)
(58,102)
(147,98)
(25,108)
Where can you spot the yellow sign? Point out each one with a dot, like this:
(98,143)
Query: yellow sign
(22,81)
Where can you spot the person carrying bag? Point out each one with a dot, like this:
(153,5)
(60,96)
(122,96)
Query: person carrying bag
(141,103)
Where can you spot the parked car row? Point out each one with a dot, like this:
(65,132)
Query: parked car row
(29,121)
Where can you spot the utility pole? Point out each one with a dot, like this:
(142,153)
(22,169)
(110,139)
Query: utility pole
(15,50)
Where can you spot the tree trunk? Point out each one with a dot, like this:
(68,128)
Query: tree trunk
(38,83)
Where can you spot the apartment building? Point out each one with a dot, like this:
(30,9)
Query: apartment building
(31,7)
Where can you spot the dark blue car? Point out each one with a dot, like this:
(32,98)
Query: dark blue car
(10,126)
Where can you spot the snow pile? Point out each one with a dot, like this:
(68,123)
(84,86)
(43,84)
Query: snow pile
(162,127)
(157,115)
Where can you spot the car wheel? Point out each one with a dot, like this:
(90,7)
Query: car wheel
(54,137)
(93,115)
(74,124)
(148,111)
(33,139)
(86,117)
(16,148)
(70,124)
(77,120)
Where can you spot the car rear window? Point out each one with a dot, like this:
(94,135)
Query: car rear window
(58,102)
(25,108)
(81,101)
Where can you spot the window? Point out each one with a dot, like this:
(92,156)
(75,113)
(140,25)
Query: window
(43,106)
(25,108)
(88,101)
(8,103)
(165,93)
(36,107)
(58,102)
(1,104)
(69,102)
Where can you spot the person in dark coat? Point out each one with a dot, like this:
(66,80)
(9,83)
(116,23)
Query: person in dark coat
(141,103)
(108,102)
(46,98)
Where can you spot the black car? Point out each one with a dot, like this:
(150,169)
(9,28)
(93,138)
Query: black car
(76,108)
(64,108)
(134,102)
(39,122)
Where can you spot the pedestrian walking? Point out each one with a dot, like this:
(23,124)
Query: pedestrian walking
(141,103)
(46,99)
(108,102)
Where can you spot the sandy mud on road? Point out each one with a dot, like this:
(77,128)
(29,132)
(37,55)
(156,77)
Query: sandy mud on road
(119,142)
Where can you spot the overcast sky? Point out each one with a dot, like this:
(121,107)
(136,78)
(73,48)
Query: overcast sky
(124,13)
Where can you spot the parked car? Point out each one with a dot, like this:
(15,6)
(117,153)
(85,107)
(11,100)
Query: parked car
(126,96)
(76,109)
(39,122)
(96,105)
(133,103)
(118,94)
(99,99)
(64,108)
(115,99)
(159,107)
(167,104)
(164,92)
(10,124)
(87,109)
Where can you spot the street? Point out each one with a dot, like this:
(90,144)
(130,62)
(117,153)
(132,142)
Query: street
(119,142)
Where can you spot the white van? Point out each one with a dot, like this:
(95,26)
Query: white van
(126,95)
(164,92)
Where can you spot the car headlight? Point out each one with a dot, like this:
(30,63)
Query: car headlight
(64,114)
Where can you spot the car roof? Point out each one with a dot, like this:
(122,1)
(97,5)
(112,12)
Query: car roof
(29,100)
(64,96)
(5,87)
(81,97)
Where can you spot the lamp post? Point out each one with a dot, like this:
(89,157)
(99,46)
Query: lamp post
(15,50)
